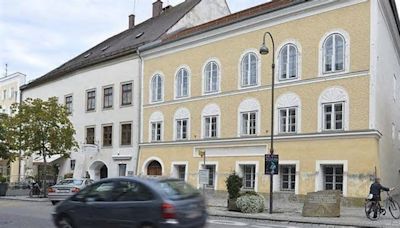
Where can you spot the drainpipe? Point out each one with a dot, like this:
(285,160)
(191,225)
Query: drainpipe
(139,136)
(19,149)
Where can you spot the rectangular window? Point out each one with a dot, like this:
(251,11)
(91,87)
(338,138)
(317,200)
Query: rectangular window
(181,129)
(91,100)
(68,104)
(126,134)
(211,176)
(72,165)
(210,126)
(90,135)
(108,97)
(156,131)
(287,120)
(126,96)
(180,172)
(122,170)
(333,177)
(288,177)
(249,123)
(249,176)
(333,116)
(107,135)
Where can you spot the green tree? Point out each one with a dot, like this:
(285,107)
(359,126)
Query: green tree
(42,128)
(5,150)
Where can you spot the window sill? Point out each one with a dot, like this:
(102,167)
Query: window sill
(106,147)
(248,86)
(125,146)
(107,108)
(126,105)
(90,111)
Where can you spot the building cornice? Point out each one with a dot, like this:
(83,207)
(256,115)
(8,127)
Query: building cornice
(279,138)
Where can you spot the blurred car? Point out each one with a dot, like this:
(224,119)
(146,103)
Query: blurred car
(133,202)
(66,188)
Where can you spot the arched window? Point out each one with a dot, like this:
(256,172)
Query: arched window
(156,88)
(211,77)
(248,117)
(154,168)
(182,124)
(211,121)
(288,62)
(249,69)
(288,113)
(333,110)
(334,53)
(182,83)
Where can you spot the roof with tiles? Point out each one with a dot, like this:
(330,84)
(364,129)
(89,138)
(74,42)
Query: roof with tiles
(121,44)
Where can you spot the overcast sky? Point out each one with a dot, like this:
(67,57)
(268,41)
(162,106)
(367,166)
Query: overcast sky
(37,36)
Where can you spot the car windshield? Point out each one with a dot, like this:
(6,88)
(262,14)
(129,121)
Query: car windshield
(175,189)
(70,182)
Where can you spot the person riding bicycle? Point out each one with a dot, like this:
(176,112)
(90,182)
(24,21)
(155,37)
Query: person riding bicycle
(375,190)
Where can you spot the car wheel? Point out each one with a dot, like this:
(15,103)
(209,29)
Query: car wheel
(54,202)
(65,222)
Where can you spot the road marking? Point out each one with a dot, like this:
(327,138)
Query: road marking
(226,222)
(272,226)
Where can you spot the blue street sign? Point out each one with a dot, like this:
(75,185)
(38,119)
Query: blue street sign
(271,164)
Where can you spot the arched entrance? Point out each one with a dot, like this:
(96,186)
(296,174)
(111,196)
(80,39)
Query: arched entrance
(103,172)
(154,169)
(98,170)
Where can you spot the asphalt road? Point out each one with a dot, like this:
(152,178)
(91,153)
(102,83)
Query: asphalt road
(19,214)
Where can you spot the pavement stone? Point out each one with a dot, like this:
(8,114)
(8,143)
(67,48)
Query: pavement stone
(25,198)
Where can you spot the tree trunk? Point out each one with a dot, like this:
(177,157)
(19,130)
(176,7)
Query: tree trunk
(44,185)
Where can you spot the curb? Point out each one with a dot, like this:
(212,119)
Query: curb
(39,200)
(298,220)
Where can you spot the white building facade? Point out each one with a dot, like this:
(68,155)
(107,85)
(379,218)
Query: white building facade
(101,88)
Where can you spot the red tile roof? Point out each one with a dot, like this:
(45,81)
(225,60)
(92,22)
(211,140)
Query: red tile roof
(232,18)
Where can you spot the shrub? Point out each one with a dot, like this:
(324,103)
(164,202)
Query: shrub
(250,202)
(233,184)
(2,179)
(68,175)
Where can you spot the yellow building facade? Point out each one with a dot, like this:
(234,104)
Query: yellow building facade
(209,89)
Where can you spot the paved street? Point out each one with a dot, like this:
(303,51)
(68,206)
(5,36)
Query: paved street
(19,214)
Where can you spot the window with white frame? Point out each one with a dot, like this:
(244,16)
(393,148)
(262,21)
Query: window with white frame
(180,172)
(249,123)
(156,88)
(122,170)
(156,131)
(288,177)
(182,83)
(108,99)
(334,53)
(91,100)
(333,115)
(211,176)
(288,62)
(249,176)
(211,77)
(249,69)
(181,129)
(333,177)
(287,120)
(210,126)
(68,104)
(126,94)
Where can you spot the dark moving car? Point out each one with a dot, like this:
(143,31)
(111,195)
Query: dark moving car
(133,202)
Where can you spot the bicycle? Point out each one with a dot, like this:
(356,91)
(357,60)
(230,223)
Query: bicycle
(35,190)
(373,207)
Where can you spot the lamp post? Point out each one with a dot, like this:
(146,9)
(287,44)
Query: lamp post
(264,51)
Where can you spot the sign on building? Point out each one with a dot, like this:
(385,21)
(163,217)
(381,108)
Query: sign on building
(271,164)
(203,176)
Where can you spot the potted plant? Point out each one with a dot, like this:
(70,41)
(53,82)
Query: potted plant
(233,184)
(3,186)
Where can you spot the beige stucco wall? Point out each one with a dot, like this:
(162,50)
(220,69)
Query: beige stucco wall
(360,154)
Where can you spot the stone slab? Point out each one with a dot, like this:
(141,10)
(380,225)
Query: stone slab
(322,204)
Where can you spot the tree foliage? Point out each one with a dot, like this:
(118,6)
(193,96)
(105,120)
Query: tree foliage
(5,147)
(41,128)
(233,184)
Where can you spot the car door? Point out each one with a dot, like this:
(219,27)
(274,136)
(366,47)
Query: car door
(133,204)
(79,210)
(98,203)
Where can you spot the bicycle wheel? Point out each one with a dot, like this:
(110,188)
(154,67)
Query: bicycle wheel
(394,209)
(372,210)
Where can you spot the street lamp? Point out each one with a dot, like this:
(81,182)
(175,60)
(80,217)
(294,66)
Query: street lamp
(264,51)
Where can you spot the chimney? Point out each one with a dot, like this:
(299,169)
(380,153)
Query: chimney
(157,8)
(131,21)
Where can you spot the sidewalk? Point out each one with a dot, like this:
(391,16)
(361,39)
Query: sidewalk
(24,198)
